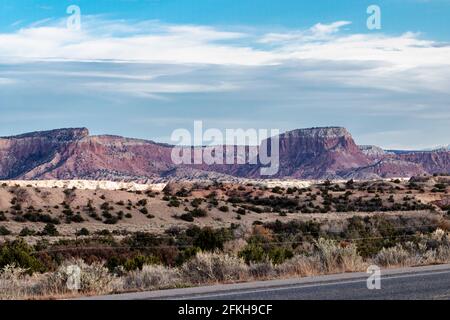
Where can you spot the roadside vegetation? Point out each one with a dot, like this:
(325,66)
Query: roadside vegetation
(205,256)
(249,232)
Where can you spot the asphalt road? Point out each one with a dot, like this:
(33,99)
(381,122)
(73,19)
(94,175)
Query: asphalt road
(431,282)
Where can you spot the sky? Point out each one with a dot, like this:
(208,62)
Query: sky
(143,68)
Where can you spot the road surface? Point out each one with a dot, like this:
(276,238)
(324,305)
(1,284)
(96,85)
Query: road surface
(430,282)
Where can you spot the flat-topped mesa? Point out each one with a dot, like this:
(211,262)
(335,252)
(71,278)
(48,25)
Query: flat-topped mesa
(318,140)
(66,134)
(319,132)
(314,153)
(23,153)
(318,152)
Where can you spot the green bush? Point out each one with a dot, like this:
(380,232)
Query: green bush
(187,217)
(253,253)
(208,239)
(27,232)
(256,253)
(196,202)
(4,231)
(199,213)
(139,261)
(83,232)
(279,255)
(50,230)
(20,254)
(174,202)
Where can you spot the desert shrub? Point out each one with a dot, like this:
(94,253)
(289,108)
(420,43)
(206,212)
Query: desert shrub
(394,256)
(278,255)
(199,213)
(306,230)
(20,254)
(13,283)
(234,246)
(214,202)
(50,230)
(253,253)
(26,232)
(186,254)
(94,278)
(174,202)
(224,208)
(259,253)
(196,202)
(138,261)
(300,265)
(262,270)
(77,218)
(152,277)
(277,189)
(186,217)
(83,232)
(214,267)
(428,249)
(141,240)
(19,218)
(142,202)
(208,239)
(111,219)
(183,192)
(106,206)
(4,231)
(337,257)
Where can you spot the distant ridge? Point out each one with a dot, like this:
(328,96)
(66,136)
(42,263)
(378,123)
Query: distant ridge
(312,153)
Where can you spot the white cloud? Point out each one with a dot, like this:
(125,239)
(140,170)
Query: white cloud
(6,81)
(154,42)
(300,77)
(326,29)
(144,89)
(318,32)
(143,42)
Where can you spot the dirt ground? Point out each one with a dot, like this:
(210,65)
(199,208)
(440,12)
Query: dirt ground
(156,211)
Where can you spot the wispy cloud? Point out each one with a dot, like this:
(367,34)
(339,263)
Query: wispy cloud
(313,76)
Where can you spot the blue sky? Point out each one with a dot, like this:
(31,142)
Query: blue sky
(144,68)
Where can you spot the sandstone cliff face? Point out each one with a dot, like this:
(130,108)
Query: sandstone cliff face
(319,153)
(106,158)
(431,162)
(23,153)
(316,153)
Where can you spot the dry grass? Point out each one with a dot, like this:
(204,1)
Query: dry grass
(262,271)
(94,279)
(152,277)
(335,257)
(301,265)
(209,268)
(14,283)
(393,257)
(214,268)
(431,249)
